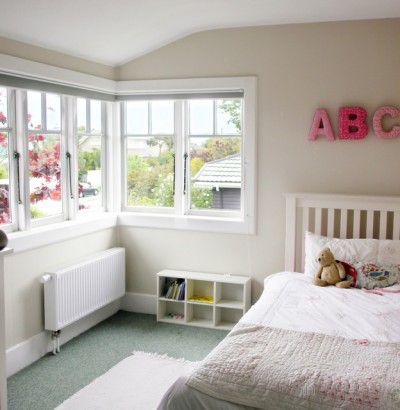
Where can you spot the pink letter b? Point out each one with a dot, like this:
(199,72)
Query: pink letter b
(352,124)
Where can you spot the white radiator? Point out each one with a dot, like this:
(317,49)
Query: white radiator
(74,291)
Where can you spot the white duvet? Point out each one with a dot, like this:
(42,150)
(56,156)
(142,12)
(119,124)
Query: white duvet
(291,301)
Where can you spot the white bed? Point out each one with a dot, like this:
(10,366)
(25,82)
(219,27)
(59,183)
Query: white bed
(338,348)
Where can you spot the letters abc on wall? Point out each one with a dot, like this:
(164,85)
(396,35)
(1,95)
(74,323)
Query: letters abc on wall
(352,123)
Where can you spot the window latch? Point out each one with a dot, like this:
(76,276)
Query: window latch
(68,155)
(16,158)
(185,157)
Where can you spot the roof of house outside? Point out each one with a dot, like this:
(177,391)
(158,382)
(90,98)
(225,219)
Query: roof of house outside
(221,173)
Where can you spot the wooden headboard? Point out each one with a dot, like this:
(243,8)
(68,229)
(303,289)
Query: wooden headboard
(339,216)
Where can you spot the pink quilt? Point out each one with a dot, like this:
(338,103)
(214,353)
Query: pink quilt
(271,368)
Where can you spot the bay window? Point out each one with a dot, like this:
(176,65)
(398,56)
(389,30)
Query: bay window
(181,154)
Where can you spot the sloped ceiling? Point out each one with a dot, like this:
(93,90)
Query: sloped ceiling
(115,32)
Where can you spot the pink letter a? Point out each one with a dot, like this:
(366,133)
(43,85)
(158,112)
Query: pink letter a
(321,126)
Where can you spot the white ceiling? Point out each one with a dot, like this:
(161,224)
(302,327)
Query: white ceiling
(115,32)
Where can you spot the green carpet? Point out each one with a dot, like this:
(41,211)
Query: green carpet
(49,381)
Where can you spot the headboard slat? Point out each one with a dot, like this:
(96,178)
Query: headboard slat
(318,221)
(306,219)
(306,227)
(331,222)
(343,223)
(396,225)
(356,223)
(383,225)
(369,232)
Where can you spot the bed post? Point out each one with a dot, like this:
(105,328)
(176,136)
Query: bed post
(290,236)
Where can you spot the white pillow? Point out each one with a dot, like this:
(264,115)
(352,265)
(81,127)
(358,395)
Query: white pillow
(346,250)
(389,251)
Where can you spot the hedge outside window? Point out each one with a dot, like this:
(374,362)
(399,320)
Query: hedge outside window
(205,177)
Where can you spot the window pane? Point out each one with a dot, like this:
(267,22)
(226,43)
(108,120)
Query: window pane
(95,116)
(162,117)
(89,168)
(5,211)
(201,117)
(53,112)
(137,117)
(150,171)
(3,108)
(81,114)
(216,173)
(229,117)
(34,110)
(44,175)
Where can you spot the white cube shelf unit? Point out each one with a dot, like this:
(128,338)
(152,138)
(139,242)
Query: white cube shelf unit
(210,299)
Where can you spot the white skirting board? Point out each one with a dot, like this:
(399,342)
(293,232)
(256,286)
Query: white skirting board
(139,303)
(28,351)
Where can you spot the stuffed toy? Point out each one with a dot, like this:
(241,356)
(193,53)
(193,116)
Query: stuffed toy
(330,272)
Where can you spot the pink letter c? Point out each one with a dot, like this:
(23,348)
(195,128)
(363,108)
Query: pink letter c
(377,122)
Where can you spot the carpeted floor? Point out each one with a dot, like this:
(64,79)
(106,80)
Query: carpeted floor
(52,379)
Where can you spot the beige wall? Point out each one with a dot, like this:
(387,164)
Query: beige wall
(299,68)
(42,55)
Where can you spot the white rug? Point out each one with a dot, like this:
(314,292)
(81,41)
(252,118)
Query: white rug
(136,383)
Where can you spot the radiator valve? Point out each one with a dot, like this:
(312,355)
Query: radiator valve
(55,335)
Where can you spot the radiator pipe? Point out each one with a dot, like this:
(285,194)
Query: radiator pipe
(45,278)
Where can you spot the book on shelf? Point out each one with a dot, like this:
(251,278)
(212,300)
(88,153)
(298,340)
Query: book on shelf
(167,285)
(176,290)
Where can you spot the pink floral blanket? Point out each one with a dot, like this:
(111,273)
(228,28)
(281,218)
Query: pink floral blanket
(271,368)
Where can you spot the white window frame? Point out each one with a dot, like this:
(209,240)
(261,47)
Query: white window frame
(12,181)
(21,236)
(25,239)
(245,223)
(125,136)
(64,215)
(103,135)
(222,213)
(18,132)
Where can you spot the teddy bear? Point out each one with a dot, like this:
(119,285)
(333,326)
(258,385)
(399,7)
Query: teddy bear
(330,272)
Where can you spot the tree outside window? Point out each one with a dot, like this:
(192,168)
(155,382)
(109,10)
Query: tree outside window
(90,127)
(214,133)
(5,212)
(44,151)
(45,137)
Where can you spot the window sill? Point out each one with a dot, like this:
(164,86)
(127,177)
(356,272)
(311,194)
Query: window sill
(49,234)
(193,223)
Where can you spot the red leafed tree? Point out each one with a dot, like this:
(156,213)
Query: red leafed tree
(4,203)
(44,160)
(44,163)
